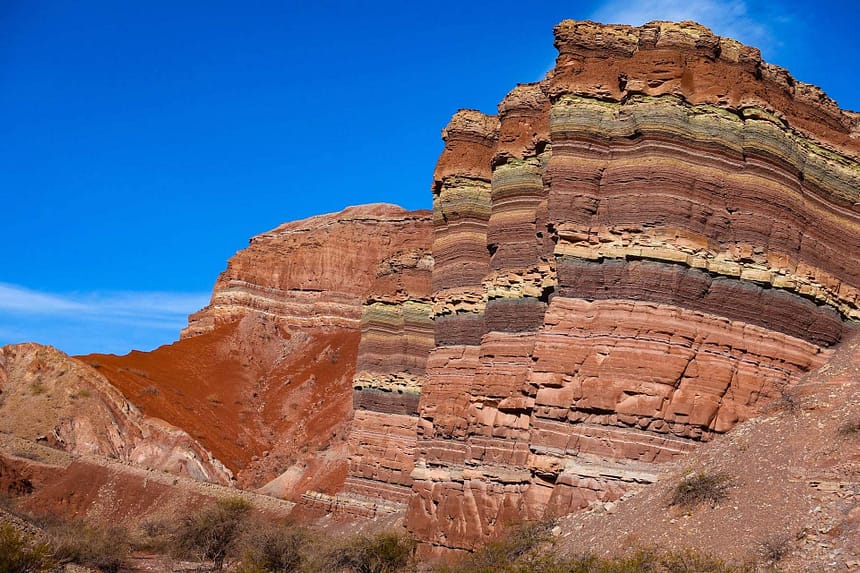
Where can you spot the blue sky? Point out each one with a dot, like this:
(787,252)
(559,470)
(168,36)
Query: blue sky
(143,143)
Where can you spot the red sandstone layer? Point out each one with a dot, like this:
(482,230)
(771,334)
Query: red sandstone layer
(657,240)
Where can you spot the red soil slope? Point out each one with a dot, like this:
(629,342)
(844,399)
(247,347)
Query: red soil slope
(259,414)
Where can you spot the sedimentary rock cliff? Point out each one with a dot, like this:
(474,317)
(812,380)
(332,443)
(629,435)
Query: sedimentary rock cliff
(636,254)
(396,337)
(263,375)
(316,272)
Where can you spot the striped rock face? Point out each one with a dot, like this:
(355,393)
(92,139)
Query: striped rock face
(316,272)
(396,337)
(635,255)
(263,376)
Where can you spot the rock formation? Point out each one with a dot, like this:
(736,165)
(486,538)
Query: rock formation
(49,397)
(635,255)
(263,375)
(396,337)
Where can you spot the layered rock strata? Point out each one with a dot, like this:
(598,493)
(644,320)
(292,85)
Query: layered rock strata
(315,272)
(658,239)
(636,254)
(263,376)
(396,337)
(461,211)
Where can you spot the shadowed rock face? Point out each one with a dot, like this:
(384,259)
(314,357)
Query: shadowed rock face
(660,237)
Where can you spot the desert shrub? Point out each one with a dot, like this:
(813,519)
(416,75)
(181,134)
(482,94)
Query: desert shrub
(700,488)
(212,533)
(103,549)
(155,535)
(850,428)
(787,399)
(19,555)
(273,547)
(775,548)
(637,560)
(692,561)
(516,551)
(385,552)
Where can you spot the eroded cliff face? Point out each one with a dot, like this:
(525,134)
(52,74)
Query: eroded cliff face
(315,272)
(636,254)
(263,376)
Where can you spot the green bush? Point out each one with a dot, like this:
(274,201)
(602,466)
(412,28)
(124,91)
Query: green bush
(19,555)
(212,533)
(385,552)
(640,560)
(516,551)
(155,536)
(529,548)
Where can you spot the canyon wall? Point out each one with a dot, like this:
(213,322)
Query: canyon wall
(263,376)
(636,254)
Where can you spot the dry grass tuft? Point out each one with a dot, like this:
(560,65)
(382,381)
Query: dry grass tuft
(700,488)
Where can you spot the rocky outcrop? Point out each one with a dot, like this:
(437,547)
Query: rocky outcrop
(659,240)
(461,211)
(263,376)
(799,463)
(396,337)
(638,253)
(315,272)
(47,396)
(106,492)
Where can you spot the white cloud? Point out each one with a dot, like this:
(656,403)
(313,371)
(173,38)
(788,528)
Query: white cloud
(20,299)
(730,18)
(107,322)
